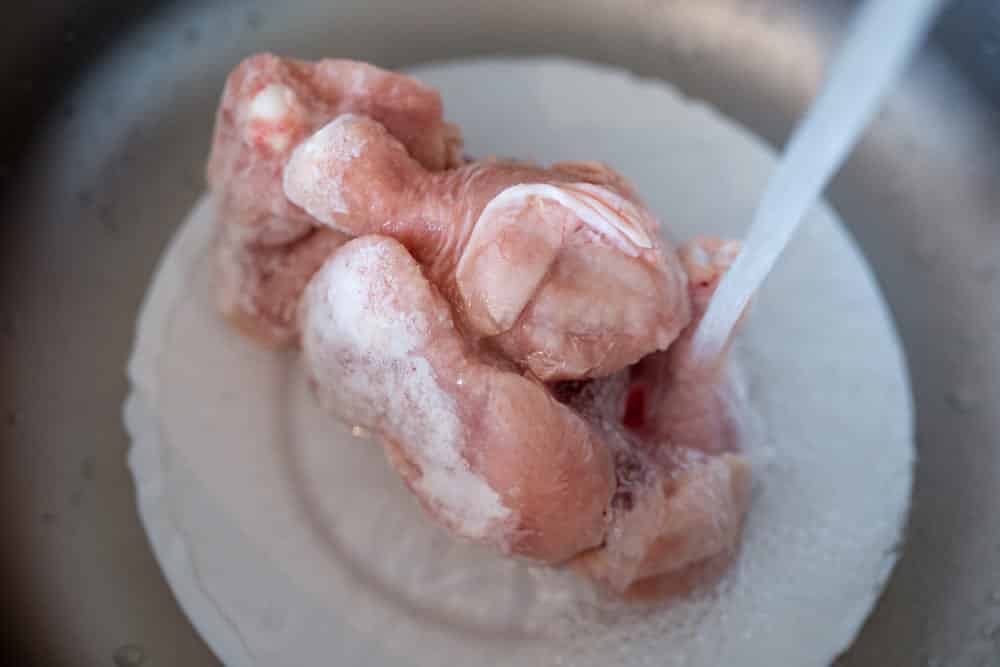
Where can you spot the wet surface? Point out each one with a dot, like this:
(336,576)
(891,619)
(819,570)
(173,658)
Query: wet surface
(89,211)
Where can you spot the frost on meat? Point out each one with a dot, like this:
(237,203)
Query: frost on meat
(268,107)
(516,336)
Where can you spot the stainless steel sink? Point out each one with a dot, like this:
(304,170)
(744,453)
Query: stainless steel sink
(91,202)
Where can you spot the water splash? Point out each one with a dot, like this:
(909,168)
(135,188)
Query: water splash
(884,35)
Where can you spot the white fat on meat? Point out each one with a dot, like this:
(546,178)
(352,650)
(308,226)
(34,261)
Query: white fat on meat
(272,103)
(590,203)
(269,111)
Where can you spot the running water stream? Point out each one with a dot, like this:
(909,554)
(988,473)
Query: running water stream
(880,42)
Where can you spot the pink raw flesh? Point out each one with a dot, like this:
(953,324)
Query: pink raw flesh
(268,107)
(527,256)
(517,337)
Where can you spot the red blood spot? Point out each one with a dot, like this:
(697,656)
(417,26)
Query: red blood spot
(635,407)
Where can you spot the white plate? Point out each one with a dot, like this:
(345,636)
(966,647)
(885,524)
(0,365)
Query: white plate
(289,542)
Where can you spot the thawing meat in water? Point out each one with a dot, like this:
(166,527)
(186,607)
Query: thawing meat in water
(269,246)
(516,336)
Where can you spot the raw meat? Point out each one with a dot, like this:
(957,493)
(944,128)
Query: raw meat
(569,278)
(516,336)
(488,451)
(683,487)
(268,107)
(544,471)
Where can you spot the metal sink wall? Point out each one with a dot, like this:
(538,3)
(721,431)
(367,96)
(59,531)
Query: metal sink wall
(93,202)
